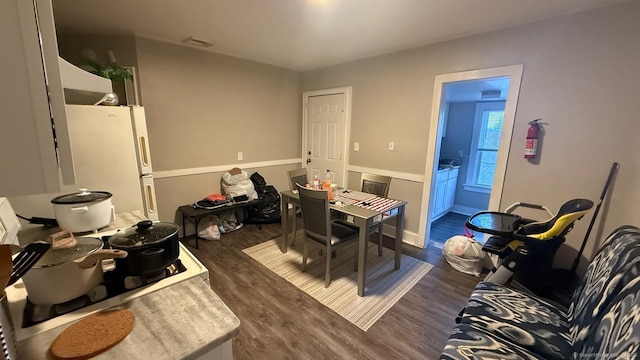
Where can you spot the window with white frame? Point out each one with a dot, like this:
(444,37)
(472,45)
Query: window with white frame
(483,154)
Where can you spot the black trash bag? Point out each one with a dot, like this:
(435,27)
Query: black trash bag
(268,211)
(258,182)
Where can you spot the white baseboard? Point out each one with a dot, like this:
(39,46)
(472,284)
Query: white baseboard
(408,237)
(464,210)
(434,218)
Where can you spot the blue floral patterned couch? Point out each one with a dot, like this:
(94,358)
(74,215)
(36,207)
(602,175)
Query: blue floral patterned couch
(603,320)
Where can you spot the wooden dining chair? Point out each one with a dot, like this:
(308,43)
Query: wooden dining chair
(319,228)
(297,176)
(377,185)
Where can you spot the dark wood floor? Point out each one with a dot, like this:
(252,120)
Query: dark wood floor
(450,224)
(278,321)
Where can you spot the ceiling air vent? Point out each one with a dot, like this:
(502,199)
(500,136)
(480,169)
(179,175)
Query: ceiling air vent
(490,94)
(197,42)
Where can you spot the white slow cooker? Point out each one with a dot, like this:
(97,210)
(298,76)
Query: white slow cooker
(84,211)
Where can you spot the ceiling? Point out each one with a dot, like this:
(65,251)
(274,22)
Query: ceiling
(471,90)
(306,34)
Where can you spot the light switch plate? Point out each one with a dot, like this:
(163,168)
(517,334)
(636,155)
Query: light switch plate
(240,156)
(392,145)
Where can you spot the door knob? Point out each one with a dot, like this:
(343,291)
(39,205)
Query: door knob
(308,161)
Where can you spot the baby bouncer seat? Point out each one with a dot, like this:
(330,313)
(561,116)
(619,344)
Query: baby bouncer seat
(525,247)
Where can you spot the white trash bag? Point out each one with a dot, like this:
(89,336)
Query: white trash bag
(464,254)
(238,184)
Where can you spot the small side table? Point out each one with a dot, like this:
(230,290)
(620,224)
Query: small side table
(194,214)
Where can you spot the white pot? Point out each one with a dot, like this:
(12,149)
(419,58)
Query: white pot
(84,211)
(65,274)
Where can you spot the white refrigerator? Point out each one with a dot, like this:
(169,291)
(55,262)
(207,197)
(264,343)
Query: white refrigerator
(110,148)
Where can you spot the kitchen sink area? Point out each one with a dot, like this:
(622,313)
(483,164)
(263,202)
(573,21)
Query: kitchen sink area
(449,163)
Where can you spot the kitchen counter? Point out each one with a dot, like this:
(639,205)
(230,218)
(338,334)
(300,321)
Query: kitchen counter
(447,167)
(182,321)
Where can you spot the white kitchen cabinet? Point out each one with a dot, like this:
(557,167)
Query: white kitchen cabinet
(450,192)
(439,194)
(31,102)
(444,192)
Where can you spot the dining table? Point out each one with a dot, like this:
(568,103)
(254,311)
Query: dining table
(364,210)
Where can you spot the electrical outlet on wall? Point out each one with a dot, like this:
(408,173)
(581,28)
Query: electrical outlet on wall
(240,156)
(356,146)
(460,153)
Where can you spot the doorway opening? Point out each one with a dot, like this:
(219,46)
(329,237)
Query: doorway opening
(470,136)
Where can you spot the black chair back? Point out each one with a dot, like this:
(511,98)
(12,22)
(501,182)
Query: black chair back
(375,184)
(298,176)
(315,212)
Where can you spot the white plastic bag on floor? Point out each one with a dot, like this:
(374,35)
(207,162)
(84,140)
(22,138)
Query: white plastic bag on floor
(208,228)
(464,254)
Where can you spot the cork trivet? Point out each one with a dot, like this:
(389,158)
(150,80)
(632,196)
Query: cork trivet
(93,335)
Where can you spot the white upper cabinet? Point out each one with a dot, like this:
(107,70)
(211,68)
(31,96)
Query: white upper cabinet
(32,105)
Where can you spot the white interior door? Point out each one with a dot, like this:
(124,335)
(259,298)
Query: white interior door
(325,136)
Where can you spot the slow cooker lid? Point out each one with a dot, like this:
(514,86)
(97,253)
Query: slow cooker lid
(82,196)
(84,247)
(144,233)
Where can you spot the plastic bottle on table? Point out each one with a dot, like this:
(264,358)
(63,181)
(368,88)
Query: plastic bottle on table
(326,184)
(332,189)
(316,182)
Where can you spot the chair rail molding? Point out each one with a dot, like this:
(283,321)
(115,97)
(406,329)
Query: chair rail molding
(394,174)
(222,168)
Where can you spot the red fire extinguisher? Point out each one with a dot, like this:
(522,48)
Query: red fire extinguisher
(531,146)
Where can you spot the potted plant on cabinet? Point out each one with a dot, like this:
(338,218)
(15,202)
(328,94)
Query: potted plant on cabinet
(112,71)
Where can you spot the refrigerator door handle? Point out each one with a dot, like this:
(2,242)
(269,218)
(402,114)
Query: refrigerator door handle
(149,197)
(148,193)
(138,121)
(144,149)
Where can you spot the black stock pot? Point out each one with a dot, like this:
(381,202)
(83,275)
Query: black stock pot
(152,247)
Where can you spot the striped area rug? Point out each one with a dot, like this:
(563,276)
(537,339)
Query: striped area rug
(385,286)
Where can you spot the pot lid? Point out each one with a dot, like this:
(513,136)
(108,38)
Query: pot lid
(145,232)
(82,196)
(84,247)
